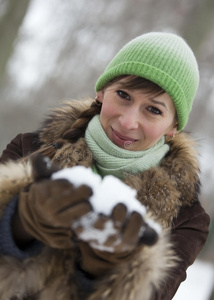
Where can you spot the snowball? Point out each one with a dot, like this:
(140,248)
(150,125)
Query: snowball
(79,175)
(113,191)
(107,192)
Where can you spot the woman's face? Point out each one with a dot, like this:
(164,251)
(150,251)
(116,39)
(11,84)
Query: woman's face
(135,120)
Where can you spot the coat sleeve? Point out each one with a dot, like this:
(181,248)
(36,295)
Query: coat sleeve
(22,145)
(189,235)
(7,245)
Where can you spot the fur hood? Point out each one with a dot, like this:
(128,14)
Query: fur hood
(163,190)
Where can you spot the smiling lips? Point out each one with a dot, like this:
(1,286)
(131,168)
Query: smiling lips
(121,140)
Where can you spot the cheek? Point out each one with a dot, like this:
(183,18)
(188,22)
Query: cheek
(154,131)
(107,112)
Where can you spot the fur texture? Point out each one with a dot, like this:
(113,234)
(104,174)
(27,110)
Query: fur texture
(13,177)
(163,190)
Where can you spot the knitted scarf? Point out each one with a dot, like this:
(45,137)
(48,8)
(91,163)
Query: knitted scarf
(111,159)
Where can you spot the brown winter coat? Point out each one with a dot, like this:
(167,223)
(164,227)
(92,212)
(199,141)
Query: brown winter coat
(170,193)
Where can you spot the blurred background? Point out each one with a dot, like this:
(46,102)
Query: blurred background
(54,50)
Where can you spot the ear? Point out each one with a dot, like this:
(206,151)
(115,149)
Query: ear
(172,132)
(99,96)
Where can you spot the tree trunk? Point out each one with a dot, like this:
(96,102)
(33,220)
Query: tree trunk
(9,27)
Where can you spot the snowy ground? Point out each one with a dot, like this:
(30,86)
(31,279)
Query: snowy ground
(199,282)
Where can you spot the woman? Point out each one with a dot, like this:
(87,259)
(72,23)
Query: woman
(133,130)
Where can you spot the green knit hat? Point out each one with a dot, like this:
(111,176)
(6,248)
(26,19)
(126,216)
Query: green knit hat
(163,58)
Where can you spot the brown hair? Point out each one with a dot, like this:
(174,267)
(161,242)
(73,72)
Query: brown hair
(132,82)
(79,126)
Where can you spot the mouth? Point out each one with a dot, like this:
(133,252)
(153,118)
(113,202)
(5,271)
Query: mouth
(121,140)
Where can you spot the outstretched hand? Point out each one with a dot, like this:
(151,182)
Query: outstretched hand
(119,232)
(106,241)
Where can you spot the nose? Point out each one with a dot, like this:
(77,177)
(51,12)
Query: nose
(129,120)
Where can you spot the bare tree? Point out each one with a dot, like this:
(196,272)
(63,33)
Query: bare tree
(9,25)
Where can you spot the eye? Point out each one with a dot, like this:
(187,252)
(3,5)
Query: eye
(154,110)
(123,95)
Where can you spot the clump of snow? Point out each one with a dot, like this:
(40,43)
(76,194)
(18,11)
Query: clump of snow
(107,192)
(47,162)
(97,237)
(79,175)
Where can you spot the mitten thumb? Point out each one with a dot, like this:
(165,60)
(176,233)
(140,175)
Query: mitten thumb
(42,166)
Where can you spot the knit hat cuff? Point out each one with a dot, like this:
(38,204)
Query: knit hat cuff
(166,82)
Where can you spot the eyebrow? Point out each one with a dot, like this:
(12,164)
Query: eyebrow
(158,102)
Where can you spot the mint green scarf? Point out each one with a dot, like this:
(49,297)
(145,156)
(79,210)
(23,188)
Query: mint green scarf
(111,159)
